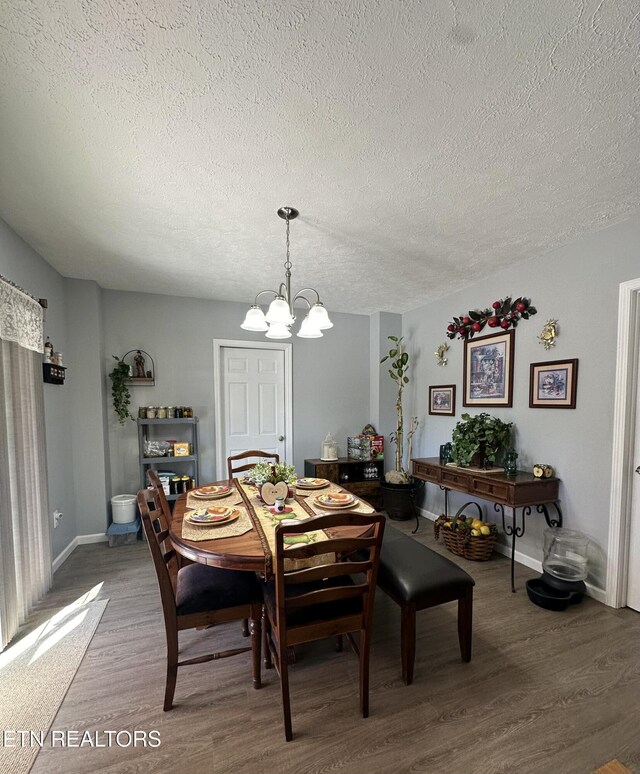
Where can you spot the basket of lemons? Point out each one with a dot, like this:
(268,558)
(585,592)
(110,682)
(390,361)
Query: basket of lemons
(467,537)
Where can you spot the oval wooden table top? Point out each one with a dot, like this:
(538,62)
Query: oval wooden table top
(243,552)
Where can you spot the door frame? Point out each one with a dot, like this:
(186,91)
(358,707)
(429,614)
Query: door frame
(624,422)
(218,345)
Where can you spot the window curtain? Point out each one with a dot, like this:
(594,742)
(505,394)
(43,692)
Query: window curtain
(25,538)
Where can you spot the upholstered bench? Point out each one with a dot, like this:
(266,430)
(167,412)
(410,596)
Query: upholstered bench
(416,577)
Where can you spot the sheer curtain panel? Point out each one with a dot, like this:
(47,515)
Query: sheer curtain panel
(25,538)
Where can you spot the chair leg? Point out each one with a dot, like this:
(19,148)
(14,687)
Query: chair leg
(245,627)
(465,623)
(266,648)
(284,688)
(365,647)
(256,643)
(172,668)
(408,641)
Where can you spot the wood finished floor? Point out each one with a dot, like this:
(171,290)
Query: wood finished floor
(545,693)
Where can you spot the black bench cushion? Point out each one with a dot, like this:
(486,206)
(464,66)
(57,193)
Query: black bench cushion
(202,588)
(414,573)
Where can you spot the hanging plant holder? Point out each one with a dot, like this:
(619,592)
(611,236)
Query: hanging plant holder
(142,368)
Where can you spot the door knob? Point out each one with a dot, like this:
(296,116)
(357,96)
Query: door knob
(281,437)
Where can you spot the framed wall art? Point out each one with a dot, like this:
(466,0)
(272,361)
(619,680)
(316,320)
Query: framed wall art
(553,384)
(488,370)
(442,399)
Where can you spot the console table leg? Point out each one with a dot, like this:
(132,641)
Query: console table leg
(513,531)
(557,522)
(513,560)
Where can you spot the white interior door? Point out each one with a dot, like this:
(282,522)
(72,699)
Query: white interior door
(253,401)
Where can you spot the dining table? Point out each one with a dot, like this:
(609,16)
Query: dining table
(252,550)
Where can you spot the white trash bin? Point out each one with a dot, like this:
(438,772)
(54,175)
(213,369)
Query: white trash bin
(123,508)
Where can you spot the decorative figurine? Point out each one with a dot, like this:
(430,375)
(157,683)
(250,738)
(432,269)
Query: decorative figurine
(48,351)
(139,361)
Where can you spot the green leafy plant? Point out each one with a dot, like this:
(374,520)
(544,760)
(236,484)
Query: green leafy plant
(264,472)
(399,372)
(481,438)
(119,390)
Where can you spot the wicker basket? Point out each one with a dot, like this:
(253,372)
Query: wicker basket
(478,549)
(461,543)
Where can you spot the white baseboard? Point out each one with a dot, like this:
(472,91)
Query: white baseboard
(528,561)
(79,540)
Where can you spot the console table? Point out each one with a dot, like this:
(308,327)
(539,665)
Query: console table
(523,491)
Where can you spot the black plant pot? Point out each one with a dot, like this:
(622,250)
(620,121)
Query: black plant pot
(398,500)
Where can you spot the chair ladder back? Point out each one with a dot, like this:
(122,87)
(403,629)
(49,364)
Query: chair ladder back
(231,468)
(164,557)
(154,480)
(371,544)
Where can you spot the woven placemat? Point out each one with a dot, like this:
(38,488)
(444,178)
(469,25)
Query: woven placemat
(358,507)
(233,498)
(238,527)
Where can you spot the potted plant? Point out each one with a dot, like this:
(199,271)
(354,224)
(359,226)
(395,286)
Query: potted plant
(480,440)
(398,487)
(120,391)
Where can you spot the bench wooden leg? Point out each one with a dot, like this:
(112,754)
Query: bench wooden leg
(465,622)
(408,641)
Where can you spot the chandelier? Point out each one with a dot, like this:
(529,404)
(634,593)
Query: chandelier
(280,316)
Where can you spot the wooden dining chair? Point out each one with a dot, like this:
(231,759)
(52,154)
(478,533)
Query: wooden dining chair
(197,595)
(233,468)
(324,600)
(154,481)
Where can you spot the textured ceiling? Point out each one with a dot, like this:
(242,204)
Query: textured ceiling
(147,144)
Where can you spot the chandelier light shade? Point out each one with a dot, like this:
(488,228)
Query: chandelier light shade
(280,315)
(255,320)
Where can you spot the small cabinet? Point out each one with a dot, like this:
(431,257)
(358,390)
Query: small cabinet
(53,374)
(179,430)
(358,476)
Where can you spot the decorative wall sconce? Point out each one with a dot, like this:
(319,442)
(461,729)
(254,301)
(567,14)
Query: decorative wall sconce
(549,334)
(441,360)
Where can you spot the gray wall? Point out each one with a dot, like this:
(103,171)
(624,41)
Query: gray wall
(22,265)
(88,392)
(338,384)
(330,375)
(578,285)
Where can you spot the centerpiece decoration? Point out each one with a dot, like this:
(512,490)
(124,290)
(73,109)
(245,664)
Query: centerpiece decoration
(480,440)
(398,488)
(505,313)
(273,480)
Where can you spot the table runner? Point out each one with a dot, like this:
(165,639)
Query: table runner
(301,509)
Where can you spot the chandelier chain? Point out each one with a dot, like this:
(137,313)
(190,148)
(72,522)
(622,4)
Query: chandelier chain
(287,263)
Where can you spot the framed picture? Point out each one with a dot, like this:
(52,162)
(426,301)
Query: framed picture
(180,449)
(553,384)
(442,399)
(488,370)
